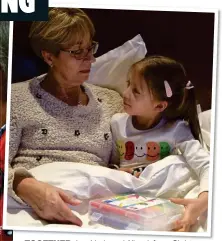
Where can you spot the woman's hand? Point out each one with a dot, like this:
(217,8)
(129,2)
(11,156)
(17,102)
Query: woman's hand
(194,208)
(49,202)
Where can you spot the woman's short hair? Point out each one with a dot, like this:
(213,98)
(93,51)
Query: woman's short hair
(65,28)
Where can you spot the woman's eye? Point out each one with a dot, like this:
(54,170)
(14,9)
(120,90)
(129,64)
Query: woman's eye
(128,83)
(78,52)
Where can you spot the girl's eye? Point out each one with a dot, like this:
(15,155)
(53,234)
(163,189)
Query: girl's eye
(128,83)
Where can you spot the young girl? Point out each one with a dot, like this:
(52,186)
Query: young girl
(160,120)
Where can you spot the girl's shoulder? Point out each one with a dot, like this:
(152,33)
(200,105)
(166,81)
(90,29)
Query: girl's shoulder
(181,130)
(178,124)
(119,118)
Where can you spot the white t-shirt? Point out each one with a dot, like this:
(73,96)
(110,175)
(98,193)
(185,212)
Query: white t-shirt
(139,148)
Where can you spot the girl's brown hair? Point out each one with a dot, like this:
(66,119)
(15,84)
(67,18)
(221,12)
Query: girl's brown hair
(182,104)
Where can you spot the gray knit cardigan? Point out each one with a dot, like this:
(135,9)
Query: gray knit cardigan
(44,129)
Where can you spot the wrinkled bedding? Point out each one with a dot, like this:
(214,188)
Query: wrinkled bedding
(169,177)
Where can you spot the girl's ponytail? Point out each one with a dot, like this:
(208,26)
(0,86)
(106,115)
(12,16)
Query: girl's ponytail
(188,110)
(167,79)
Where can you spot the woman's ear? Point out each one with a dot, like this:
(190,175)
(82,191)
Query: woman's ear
(161,106)
(48,57)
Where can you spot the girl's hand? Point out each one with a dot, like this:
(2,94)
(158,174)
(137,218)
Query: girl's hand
(48,202)
(126,169)
(129,170)
(137,174)
(194,208)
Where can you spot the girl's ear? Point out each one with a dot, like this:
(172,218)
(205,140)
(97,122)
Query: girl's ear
(48,57)
(161,106)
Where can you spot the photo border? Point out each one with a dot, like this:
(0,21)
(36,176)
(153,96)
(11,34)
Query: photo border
(213,118)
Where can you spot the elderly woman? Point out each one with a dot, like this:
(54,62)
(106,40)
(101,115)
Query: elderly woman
(57,117)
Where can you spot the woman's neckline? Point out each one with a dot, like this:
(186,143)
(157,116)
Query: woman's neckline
(41,93)
(72,98)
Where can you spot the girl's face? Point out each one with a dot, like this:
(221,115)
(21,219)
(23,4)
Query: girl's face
(138,99)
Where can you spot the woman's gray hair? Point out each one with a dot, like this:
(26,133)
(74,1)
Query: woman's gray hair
(4,37)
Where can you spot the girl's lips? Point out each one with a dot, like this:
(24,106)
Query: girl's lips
(126,104)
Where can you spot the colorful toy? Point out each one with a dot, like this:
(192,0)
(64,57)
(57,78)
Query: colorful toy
(135,212)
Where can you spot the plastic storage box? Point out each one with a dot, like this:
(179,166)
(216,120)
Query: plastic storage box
(135,212)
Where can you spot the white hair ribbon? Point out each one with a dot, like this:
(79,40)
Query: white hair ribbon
(189,85)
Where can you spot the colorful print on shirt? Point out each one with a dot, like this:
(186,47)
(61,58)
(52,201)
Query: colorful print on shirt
(142,152)
(129,150)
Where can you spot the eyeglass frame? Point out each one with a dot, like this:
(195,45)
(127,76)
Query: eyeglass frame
(73,52)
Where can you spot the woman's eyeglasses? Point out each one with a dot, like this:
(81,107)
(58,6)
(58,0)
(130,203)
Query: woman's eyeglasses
(83,53)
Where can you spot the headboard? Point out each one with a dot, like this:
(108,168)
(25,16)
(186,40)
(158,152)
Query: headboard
(185,36)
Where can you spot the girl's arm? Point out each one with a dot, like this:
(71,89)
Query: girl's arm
(194,208)
(194,153)
(198,159)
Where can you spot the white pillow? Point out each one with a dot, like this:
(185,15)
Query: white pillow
(205,124)
(110,70)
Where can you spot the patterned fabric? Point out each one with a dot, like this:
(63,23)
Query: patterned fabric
(138,148)
(44,129)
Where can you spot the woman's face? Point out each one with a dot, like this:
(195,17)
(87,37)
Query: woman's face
(70,70)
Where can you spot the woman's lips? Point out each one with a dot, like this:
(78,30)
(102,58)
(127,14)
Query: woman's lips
(85,71)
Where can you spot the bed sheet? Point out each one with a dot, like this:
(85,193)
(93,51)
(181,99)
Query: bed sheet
(87,182)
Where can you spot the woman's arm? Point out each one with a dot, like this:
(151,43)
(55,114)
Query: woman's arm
(49,202)
(18,173)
